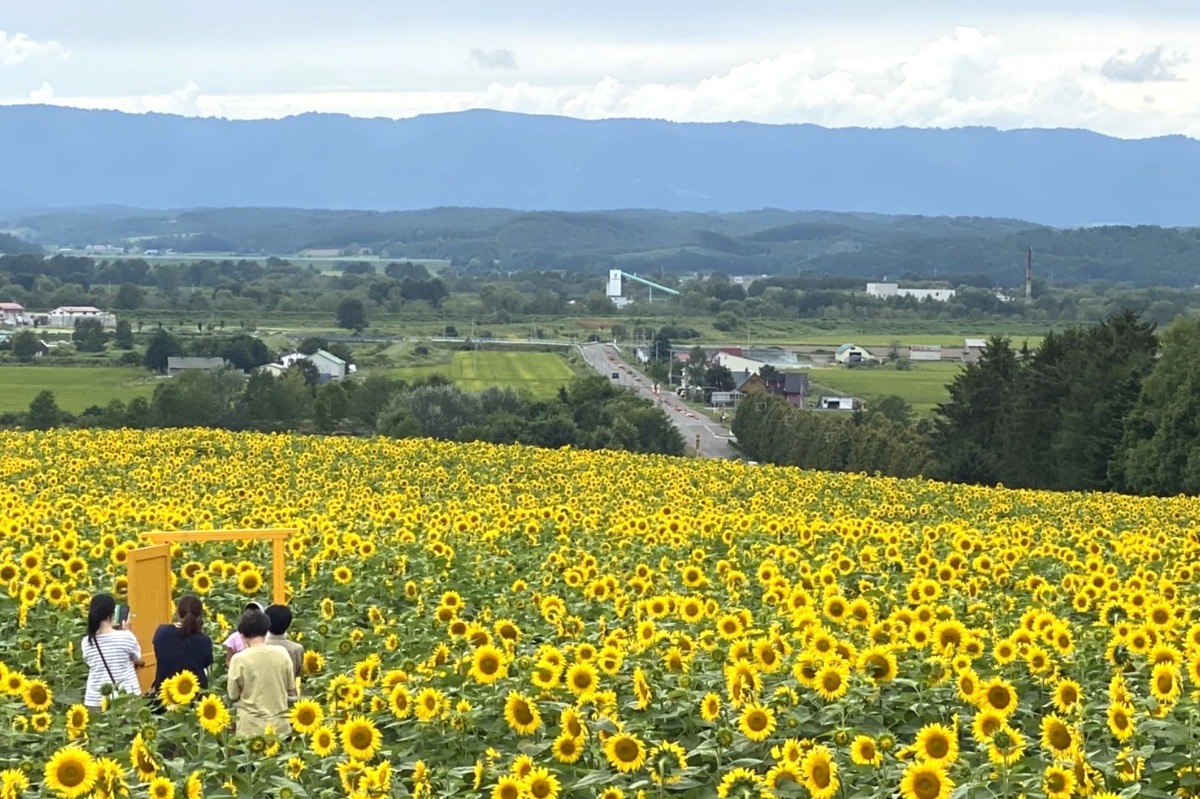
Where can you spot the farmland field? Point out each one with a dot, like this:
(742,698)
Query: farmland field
(539,373)
(508,622)
(75,388)
(924,385)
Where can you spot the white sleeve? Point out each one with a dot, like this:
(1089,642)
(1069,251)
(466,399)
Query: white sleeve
(135,649)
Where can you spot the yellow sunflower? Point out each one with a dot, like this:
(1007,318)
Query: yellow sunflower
(322,741)
(488,665)
(37,695)
(521,714)
(625,752)
(508,787)
(541,784)
(832,681)
(161,788)
(864,751)
(757,722)
(820,773)
(70,772)
(567,748)
(305,716)
(360,738)
(214,716)
(937,744)
(923,780)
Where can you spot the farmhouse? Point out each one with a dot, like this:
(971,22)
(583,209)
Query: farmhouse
(11,314)
(329,366)
(273,369)
(68,315)
(177,364)
(795,388)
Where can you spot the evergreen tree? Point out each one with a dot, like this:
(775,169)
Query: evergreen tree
(969,430)
(44,412)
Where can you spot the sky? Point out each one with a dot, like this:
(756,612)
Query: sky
(1122,68)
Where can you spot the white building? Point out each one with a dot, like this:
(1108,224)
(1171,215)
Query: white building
(11,314)
(851,354)
(885,290)
(839,404)
(737,363)
(273,369)
(329,366)
(925,352)
(67,315)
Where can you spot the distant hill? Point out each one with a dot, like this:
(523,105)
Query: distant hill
(58,157)
(850,245)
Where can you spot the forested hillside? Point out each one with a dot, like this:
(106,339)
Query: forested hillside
(769,241)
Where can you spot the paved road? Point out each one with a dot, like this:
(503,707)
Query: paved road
(714,440)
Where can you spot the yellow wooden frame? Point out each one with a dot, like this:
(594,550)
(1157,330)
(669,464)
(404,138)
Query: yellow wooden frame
(277,537)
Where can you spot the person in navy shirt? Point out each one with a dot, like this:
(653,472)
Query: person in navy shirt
(183,646)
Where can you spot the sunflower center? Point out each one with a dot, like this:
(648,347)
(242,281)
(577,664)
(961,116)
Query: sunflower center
(998,697)
(360,738)
(522,714)
(831,681)
(626,751)
(1060,738)
(820,774)
(757,721)
(927,786)
(71,773)
(539,788)
(937,747)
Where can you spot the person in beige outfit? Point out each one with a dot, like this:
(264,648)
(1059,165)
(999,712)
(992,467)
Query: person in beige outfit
(261,680)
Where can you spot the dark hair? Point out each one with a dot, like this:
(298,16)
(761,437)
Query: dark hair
(190,612)
(100,609)
(254,624)
(281,618)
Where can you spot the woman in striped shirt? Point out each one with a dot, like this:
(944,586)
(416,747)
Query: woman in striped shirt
(111,651)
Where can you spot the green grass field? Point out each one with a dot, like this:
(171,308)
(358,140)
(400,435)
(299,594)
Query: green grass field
(924,385)
(538,373)
(74,387)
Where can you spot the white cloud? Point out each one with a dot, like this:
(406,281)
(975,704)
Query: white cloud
(1149,66)
(494,59)
(969,76)
(42,94)
(18,48)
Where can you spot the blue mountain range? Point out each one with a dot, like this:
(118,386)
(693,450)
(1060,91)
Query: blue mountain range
(54,157)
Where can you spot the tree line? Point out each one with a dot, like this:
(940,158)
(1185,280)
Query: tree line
(1109,406)
(589,413)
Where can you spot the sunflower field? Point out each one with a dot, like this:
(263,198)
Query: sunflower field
(516,623)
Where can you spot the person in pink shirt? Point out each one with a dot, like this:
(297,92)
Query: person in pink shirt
(235,643)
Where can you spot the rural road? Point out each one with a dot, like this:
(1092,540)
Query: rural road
(714,440)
